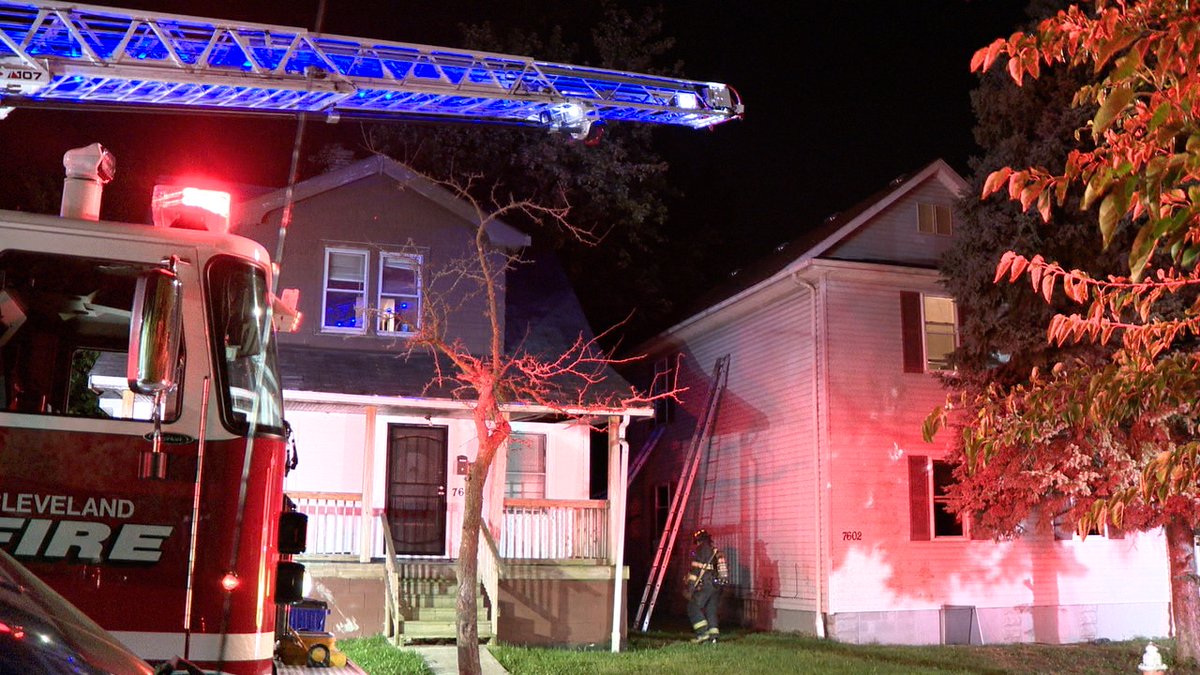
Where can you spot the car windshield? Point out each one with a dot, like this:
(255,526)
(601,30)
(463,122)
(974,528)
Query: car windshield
(43,634)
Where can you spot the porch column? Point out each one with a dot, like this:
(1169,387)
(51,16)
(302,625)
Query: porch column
(366,532)
(618,467)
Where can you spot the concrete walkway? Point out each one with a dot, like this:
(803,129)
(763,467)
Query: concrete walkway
(443,659)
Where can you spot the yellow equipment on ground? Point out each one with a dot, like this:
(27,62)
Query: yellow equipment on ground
(312,649)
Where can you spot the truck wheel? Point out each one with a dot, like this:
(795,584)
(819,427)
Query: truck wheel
(318,656)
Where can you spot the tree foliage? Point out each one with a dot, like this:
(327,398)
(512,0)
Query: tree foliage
(1108,432)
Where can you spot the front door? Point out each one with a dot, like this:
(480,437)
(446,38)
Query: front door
(416,506)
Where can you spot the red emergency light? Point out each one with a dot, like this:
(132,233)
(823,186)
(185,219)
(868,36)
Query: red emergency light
(190,208)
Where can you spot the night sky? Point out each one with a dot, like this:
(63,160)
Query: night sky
(841,97)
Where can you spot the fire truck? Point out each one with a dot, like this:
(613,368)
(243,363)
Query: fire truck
(142,436)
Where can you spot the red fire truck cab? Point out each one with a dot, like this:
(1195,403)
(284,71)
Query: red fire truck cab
(142,441)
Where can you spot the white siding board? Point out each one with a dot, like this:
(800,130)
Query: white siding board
(762,495)
(892,234)
(330,449)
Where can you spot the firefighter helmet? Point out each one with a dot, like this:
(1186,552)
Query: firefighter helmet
(701,535)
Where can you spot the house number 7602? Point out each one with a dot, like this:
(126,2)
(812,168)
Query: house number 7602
(851,535)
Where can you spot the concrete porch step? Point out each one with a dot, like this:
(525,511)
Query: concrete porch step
(439,630)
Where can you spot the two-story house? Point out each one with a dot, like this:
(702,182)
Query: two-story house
(384,450)
(816,480)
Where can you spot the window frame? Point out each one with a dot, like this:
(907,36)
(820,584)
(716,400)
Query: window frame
(938,503)
(416,262)
(359,309)
(924,501)
(925,324)
(523,438)
(930,219)
(914,331)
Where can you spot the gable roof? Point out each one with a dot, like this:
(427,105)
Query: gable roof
(255,209)
(819,240)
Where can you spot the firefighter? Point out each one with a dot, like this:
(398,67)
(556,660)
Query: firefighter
(707,575)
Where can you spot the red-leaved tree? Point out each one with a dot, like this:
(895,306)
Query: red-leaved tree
(1109,439)
(568,382)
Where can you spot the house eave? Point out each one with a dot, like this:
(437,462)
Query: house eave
(806,268)
(321,401)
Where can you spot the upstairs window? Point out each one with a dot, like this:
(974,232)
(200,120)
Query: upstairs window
(526,474)
(345,292)
(935,219)
(929,327)
(399,293)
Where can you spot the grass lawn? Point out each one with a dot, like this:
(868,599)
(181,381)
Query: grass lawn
(774,654)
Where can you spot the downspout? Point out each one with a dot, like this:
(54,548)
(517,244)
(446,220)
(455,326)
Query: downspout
(618,488)
(818,615)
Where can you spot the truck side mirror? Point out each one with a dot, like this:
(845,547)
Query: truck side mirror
(155,330)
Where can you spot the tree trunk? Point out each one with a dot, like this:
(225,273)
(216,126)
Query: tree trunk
(468,574)
(1185,591)
(467,607)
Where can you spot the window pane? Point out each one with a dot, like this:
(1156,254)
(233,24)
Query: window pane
(399,277)
(340,309)
(925,218)
(940,331)
(939,310)
(526,475)
(944,220)
(345,266)
(945,522)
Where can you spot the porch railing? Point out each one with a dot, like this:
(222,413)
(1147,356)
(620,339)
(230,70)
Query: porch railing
(533,529)
(555,529)
(489,568)
(335,522)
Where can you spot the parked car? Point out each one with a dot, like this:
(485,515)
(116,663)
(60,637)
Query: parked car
(43,634)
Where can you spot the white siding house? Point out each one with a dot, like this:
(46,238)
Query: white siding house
(817,482)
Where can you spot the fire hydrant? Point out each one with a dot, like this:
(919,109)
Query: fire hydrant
(1152,663)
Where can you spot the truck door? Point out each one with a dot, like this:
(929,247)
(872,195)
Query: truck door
(73,507)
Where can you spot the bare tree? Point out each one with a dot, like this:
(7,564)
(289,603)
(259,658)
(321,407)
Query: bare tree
(565,382)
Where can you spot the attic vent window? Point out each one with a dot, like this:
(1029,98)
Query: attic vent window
(935,219)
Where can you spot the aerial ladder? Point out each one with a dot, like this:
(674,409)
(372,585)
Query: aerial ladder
(67,55)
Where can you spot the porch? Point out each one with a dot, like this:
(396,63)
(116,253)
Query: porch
(547,577)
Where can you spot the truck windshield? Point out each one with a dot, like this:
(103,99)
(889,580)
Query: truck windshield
(244,347)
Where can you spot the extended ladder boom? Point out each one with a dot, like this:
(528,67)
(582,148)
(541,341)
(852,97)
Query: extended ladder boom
(65,54)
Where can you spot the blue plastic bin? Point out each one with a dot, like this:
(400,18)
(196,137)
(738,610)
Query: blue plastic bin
(308,616)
